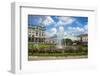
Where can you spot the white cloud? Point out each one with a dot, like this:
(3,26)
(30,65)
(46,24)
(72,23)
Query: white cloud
(54,30)
(85,29)
(51,33)
(65,33)
(64,21)
(48,20)
(78,23)
(70,28)
(67,20)
(39,20)
(79,29)
(61,28)
(76,31)
(64,18)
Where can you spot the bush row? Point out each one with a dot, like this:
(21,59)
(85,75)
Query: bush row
(55,50)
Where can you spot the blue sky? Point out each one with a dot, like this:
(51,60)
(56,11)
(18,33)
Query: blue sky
(70,25)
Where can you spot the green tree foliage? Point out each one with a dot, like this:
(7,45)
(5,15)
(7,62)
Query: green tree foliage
(68,41)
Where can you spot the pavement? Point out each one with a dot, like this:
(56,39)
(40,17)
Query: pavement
(34,58)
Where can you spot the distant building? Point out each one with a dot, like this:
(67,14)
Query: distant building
(36,34)
(73,38)
(83,38)
(51,40)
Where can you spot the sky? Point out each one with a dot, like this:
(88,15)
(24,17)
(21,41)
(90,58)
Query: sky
(69,25)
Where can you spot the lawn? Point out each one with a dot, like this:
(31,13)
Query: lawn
(50,50)
(40,45)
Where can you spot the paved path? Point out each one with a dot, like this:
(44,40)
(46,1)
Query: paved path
(30,58)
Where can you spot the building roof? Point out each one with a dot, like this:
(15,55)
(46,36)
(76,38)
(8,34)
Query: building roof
(35,26)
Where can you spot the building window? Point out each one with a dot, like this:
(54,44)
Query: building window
(36,33)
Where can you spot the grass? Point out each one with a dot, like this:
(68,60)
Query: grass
(54,52)
(40,45)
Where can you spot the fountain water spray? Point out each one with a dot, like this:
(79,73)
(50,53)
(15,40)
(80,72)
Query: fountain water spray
(60,36)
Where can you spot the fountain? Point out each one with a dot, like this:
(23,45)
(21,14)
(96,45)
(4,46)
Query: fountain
(60,36)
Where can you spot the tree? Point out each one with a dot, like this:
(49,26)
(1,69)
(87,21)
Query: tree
(68,41)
